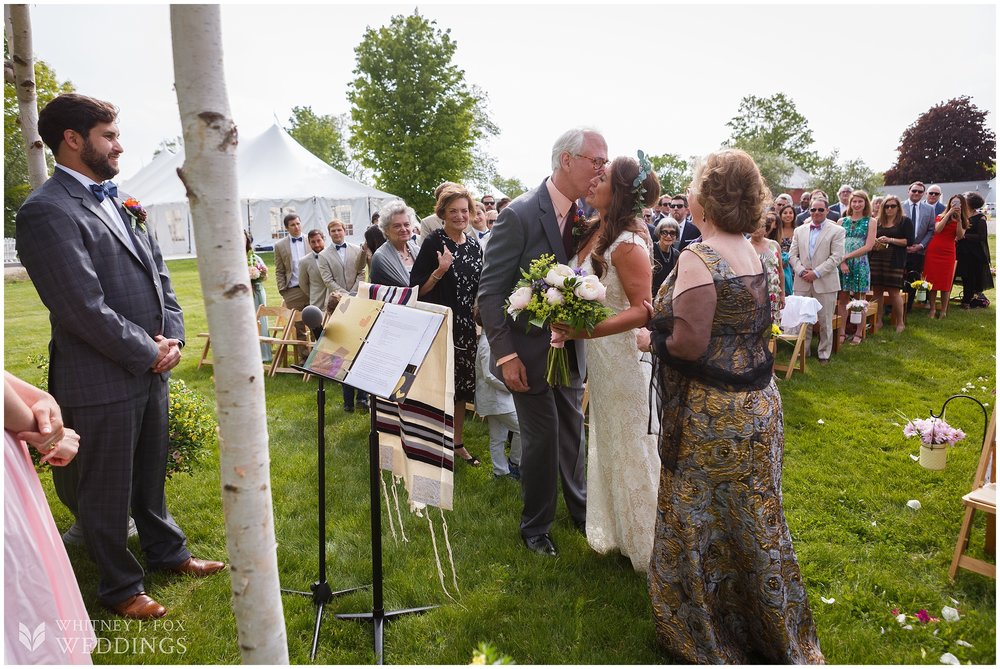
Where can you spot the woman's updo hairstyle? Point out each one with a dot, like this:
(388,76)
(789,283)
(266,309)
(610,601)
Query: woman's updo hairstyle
(729,188)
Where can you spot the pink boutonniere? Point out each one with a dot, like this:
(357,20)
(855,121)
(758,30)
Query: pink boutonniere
(136,212)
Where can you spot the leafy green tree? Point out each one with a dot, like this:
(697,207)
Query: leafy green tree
(949,142)
(673,172)
(769,127)
(830,174)
(415,121)
(15,164)
(510,186)
(324,136)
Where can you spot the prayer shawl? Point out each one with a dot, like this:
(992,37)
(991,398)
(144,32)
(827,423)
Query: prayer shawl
(416,435)
(388,269)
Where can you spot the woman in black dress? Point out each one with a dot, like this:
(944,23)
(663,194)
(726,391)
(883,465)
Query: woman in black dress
(447,271)
(973,255)
(888,259)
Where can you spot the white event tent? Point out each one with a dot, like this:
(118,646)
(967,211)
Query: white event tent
(277,176)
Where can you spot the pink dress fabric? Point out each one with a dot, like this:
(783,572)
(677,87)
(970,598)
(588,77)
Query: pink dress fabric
(45,621)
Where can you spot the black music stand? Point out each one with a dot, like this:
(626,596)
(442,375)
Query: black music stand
(320,591)
(378,615)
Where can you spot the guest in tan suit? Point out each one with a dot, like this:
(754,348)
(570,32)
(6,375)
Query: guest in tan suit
(816,253)
(310,279)
(341,265)
(288,251)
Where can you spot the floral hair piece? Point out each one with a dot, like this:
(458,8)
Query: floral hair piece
(645,167)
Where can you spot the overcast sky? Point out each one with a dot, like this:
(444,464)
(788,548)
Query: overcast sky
(661,77)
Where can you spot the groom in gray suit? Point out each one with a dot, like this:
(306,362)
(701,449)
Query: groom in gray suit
(117,331)
(539,222)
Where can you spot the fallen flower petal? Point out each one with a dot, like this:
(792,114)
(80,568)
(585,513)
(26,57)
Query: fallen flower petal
(964,644)
(820,421)
(914,504)
(827,601)
(953,601)
(950,614)
(901,618)
(948,658)
(923,616)
(907,627)
(915,458)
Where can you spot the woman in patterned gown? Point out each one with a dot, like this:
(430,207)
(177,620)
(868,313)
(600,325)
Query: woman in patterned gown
(724,582)
(622,462)
(447,271)
(855,272)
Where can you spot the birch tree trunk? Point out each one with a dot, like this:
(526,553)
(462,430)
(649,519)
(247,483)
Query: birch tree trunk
(209,175)
(17,23)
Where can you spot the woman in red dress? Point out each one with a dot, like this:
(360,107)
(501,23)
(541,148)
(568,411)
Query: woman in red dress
(939,262)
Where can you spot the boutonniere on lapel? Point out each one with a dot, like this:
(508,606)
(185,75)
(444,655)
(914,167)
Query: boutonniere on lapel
(578,222)
(136,212)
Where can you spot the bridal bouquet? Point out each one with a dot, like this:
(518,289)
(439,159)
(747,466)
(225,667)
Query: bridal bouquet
(553,293)
(256,266)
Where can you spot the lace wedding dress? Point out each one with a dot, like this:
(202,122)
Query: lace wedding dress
(623,464)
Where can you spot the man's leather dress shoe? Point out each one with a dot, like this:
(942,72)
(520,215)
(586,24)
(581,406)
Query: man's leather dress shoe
(139,606)
(541,544)
(195,567)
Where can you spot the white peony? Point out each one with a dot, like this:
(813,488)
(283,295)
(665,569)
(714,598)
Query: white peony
(554,296)
(590,288)
(558,274)
(519,299)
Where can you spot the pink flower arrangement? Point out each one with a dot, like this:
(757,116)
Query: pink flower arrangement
(933,431)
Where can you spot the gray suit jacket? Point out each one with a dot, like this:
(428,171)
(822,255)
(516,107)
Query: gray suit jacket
(342,276)
(526,229)
(283,269)
(105,302)
(923,225)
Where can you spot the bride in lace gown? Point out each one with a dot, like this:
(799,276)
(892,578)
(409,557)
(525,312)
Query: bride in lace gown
(622,461)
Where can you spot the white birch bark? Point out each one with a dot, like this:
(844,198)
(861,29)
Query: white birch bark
(209,175)
(17,23)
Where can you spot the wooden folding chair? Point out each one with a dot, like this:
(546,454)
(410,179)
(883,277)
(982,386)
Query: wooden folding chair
(798,359)
(277,322)
(982,498)
(280,359)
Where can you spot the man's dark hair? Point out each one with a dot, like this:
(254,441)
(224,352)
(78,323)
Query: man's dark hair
(72,111)
(315,233)
(679,197)
(289,218)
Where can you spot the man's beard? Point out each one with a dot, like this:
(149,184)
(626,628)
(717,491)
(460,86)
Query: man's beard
(98,163)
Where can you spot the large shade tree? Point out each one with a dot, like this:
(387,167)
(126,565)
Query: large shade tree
(770,128)
(415,121)
(949,142)
(324,136)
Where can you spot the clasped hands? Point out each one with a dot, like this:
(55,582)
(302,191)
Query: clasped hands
(57,444)
(168,355)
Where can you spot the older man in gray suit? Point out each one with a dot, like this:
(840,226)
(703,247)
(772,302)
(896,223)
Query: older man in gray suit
(117,331)
(539,222)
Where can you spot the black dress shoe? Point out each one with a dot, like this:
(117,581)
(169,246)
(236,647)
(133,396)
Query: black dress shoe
(541,544)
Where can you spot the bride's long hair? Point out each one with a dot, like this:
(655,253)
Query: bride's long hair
(622,214)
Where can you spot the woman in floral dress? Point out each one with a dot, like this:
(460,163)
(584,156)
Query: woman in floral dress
(770,256)
(855,273)
(447,271)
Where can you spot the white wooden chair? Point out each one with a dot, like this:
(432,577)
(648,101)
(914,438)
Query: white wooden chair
(982,498)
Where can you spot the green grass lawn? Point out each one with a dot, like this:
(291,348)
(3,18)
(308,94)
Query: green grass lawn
(848,477)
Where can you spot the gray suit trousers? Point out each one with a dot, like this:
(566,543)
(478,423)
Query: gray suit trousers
(551,436)
(116,439)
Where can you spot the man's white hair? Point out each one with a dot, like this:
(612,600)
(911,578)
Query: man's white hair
(570,142)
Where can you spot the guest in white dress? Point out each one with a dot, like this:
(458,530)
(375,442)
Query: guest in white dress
(623,465)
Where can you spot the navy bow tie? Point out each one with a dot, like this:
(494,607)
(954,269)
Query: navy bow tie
(483,234)
(296,239)
(106,189)
(341,246)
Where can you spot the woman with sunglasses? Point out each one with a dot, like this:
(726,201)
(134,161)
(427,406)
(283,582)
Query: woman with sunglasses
(664,251)
(939,261)
(888,259)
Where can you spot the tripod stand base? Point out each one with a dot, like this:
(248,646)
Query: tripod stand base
(321,595)
(379,620)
